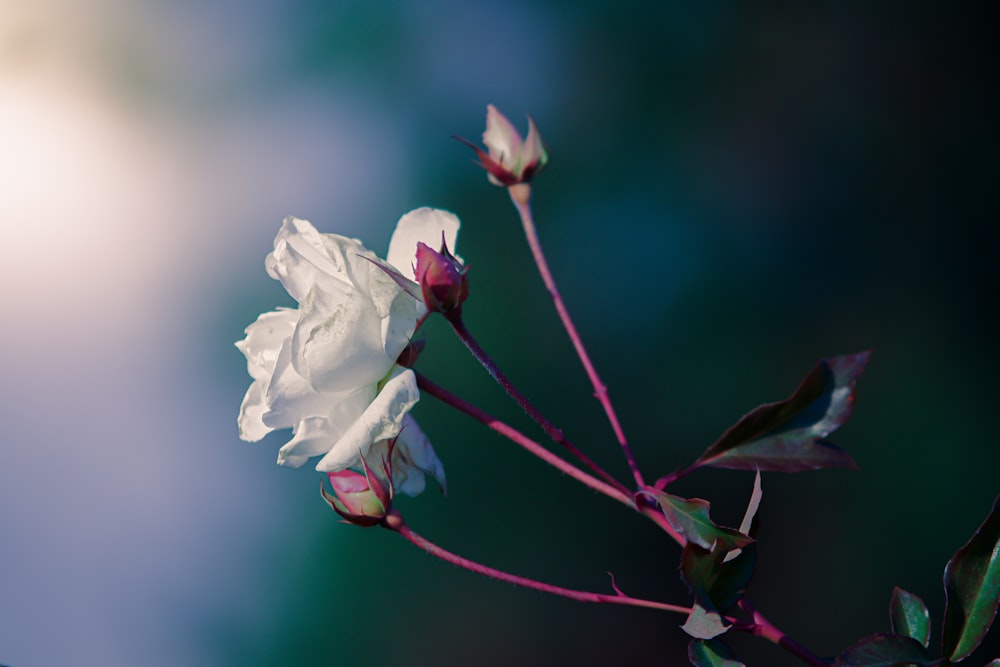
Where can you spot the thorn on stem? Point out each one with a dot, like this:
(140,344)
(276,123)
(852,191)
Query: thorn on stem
(615,586)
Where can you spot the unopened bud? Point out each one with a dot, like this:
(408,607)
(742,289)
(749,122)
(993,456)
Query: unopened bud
(362,499)
(443,279)
(509,159)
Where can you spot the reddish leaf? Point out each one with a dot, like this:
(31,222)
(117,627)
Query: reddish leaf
(789,436)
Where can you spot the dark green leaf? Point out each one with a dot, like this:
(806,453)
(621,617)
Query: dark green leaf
(717,583)
(995,662)
(886,651)
(789,436)
(972,589)
(711,653)
(908,616)
(689,517)
(704,623)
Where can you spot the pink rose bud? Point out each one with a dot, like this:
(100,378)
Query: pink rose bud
(361,499)
(508,159)
(443,279)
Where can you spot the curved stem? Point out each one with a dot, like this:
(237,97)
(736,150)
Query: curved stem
(524,441)
(672,477)
(520,195)
(556,434)
(761,627)
(394,521)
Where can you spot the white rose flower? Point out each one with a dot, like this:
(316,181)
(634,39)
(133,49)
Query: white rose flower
(327,368)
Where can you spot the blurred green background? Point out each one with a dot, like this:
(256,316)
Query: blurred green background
(733,193)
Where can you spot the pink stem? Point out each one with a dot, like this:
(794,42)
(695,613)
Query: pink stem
(520,195)
(519,438)
(761,627)
(394,521)
(556,434)
(670,478)
(649,510)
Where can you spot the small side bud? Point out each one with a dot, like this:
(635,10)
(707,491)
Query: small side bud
(443,280)
(509,159)
(363,499)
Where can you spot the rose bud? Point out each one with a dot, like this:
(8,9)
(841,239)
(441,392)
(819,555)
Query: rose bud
(443,279)
(361,499)
(509,160)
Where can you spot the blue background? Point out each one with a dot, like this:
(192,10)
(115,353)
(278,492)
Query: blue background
(733,193)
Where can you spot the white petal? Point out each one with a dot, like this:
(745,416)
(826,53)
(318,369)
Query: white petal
(422,225)
(312,438)
(382,420)
(294,263)
(383,288)
(398,328)
(350,259)
(337,344)
(264,339)
(534,149)
(289,397)
(399,302)
(502,140)
(252,427)
(413,457)
(302,257)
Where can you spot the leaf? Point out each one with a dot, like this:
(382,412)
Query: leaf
(689,517)
(711,653)
(995,662)
(908,616)
(717,584)
(704,623)
(789,436)
(884,650)
(972,589)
